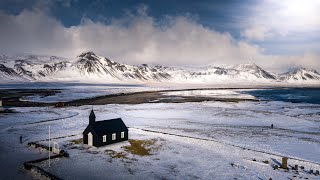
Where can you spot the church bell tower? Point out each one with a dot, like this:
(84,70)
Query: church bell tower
(92,118)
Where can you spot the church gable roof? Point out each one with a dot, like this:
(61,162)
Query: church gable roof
(109,126)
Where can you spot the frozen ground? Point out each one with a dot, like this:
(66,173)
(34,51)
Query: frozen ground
(83,91)
(209,140)
(219,93)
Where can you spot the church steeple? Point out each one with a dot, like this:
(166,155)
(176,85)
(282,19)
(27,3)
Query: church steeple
(92,118)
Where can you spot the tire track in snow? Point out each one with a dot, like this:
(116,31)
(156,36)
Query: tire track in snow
(54,119)
(60,137)
(223,125)
(225,143)
(39,122)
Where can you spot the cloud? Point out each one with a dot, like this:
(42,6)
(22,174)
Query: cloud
(286,16)
(136,38)
(256,33)
(282,63)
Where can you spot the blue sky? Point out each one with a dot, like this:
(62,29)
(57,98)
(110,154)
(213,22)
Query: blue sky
(264,28)
(70,12)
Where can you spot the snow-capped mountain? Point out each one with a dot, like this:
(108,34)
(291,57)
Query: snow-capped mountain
(300,74)
(254,70)
(86,67)
(89,63)
(89,67)
(8,74)
(32,67)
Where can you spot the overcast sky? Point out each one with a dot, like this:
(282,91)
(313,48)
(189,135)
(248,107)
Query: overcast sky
(271,33)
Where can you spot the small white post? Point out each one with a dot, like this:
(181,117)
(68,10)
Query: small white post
(49,146)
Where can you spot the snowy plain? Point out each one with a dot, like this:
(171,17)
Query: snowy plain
(205,140)
(69,92)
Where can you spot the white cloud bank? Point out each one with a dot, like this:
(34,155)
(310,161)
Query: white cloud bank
(136,39)
(282,18)
(257,33)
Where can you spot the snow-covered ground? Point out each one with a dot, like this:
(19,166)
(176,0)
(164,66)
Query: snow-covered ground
(208,140)
(219,93)
(83,92)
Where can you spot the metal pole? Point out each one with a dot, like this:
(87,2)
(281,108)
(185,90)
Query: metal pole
(49,146)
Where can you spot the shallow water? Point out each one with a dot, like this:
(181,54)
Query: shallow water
(294,95)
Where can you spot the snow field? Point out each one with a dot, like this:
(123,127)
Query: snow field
(246,124)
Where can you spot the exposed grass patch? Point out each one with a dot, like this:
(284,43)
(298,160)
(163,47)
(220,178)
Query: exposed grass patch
(142,147)
(115,154)
(77,141)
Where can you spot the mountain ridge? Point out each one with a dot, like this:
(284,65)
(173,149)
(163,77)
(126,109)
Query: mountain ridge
(90,67)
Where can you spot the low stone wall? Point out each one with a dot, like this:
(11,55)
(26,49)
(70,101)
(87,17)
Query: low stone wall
(30,165)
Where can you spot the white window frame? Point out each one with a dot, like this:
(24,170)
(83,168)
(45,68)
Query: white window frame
(114,137)
(122,134)
(104,138)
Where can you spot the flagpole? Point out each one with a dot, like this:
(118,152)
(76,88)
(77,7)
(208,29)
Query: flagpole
(49,146)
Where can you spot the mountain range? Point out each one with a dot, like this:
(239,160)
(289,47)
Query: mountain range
(89,67)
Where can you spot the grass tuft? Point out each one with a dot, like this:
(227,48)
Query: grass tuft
(142,147)
(77,141)
(115,154)
(266,162)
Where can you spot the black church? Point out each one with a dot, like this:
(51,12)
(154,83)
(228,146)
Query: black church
(101,133)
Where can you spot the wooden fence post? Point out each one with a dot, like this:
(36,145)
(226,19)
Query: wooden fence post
(284,164)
